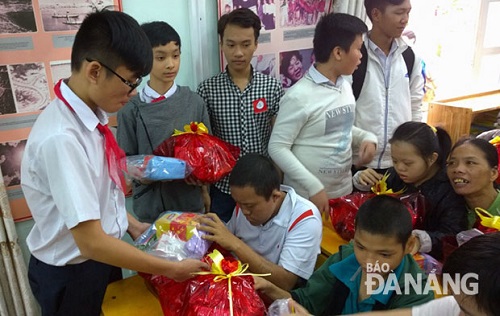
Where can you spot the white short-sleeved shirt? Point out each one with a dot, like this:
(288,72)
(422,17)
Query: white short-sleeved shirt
(291,239)
(65,180)
(444,306)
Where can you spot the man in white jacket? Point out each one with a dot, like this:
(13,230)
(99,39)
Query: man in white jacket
(389,96)
(313,134)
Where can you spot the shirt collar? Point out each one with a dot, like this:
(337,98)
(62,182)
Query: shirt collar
(377,50)
(147,94)
(82,110)
(319,78)
(348,271)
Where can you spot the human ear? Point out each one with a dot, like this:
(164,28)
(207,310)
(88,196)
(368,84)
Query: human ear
(412,245)
(494,173)
(433,158)
(92,71)
(337,53)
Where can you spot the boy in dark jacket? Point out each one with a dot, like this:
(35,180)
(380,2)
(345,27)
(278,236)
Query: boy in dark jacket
(379,250)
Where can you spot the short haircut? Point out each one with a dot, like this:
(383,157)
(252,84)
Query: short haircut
(336,30)
(115,39)
(161,33)
(386,216)
(379,4)
(425,139)
(286,57)
(480,255)
(489,150)
(258,172)
(242,17)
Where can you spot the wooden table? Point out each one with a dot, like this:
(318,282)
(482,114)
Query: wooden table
(456,115)
(330,242)
(130,297)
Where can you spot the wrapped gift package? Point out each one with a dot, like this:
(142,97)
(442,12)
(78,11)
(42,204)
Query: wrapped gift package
(156,168)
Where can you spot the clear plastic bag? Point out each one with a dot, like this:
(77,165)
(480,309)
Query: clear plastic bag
(156,168)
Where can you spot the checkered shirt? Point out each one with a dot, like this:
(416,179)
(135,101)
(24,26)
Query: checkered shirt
(237,116)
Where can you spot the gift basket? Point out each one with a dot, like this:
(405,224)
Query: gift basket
(343,210)
(155,168)
(209,157)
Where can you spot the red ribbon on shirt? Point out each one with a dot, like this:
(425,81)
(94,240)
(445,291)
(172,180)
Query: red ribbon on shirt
(114,154)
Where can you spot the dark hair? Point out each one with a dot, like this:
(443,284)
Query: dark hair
(115,39)
(241,17)
(386,216)
(336,30)
(379,4)
(425,139)
(258,172)
(286,57)
(480,255)
(489,150)
(161,33)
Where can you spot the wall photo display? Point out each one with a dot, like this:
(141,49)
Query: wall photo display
(35,49)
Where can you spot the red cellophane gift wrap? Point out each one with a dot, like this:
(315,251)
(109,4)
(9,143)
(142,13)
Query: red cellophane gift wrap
(226,290)
(343,210)
(209,157)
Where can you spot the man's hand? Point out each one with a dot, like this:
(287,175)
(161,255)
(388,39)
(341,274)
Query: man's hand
(136,228)
(366,153)
(369,177)
(183,270)
(217,231)
(320,199)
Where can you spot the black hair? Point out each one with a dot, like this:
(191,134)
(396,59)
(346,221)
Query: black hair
(336,30)
(241,17)
(379,4)
(385,215)
(425,139)
(115,39)
(489,150)
(286,57)
(258,172)
(161,33)
(480,255)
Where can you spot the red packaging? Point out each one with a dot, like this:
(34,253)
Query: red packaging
(210,158)
(343,210)
(209,294)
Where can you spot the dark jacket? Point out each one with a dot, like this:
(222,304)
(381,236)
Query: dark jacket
(446,211)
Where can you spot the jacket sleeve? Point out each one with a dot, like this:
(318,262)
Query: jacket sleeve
(315,296)
(126,133)
(417,90)
(289,123)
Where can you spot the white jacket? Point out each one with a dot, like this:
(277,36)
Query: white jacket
(382,107)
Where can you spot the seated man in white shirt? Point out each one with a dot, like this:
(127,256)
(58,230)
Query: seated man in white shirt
(273,229)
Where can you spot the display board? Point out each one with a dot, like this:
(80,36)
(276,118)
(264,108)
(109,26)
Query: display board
(35,48)
(285,44)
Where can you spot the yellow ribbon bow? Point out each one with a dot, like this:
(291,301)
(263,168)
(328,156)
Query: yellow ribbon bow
(216,269)
(495,140)
(192,128)
(488,220)
(381,186)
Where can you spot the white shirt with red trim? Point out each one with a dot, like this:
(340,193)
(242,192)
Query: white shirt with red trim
(291,239)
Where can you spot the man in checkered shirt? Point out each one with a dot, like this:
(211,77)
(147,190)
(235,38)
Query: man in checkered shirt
(242,103)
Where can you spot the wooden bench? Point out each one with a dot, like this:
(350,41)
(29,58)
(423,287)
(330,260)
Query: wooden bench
(330,242)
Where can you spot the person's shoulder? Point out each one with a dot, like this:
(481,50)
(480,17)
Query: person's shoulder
(214,80)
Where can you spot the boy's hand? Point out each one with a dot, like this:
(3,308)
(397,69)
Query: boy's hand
(260,284)
(369,177)
(184,268)
(366,153)
(297,309)
(320,199)
(217,231)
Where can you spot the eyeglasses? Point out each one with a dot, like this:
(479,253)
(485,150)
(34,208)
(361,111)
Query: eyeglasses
(125,81)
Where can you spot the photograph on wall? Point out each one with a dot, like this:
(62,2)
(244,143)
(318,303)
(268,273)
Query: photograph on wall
(10,161)
(29,83)
(17,16)
(301,12)
(60,70)
(293,65)
(7,104)
(266,64)
(64,15)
